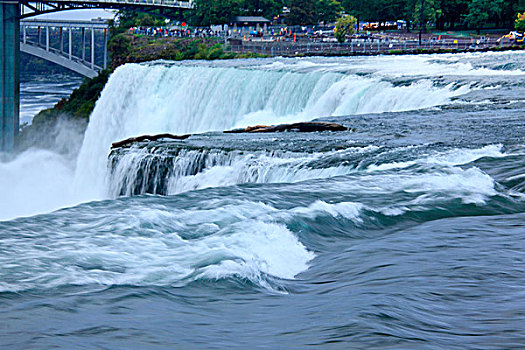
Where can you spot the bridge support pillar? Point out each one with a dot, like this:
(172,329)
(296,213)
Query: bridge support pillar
(83,44)
(70,44)
(61,40)
(105,48)
(10,74)
(92,48)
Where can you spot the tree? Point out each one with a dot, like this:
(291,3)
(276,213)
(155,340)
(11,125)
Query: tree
(450,12)
(481,10)
(328,10)
(356,8)
(519,25)
(209,12)
(265,8)
(130,18)
(422,11)
(302,12)
(344,26)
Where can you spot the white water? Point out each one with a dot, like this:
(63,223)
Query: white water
(438,176)
(35,182)
(142,245)
(142,99)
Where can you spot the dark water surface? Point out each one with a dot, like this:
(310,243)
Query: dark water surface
(405,232)
(40,91)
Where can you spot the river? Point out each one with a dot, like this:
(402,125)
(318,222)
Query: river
(39,91)
(406,231)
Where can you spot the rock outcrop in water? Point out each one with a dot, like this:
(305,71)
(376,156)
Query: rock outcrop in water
(296,127)
(148,138)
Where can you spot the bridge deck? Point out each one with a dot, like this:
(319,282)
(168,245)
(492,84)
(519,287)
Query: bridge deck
(35,7)
(64,23)
(156,3)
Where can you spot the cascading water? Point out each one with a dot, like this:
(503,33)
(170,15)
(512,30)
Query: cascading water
(404,231)
(157,98)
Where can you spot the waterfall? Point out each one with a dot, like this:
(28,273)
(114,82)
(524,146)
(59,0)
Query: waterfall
(156,98)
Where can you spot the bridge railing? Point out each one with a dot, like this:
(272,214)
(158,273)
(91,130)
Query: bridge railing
(161,3)
(76,28)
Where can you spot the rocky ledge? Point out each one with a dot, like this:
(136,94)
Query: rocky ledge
(295,127)
(132,140)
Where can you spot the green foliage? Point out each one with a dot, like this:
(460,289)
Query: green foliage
(302,12)
(519,24)
(328,10)
(308,12)
(424,11)
(209,12)
(82,100)
(119,46)
(215,52)
(265,8)
(480,11)
(80,103)
(344,26)
(475,13)
(131,18)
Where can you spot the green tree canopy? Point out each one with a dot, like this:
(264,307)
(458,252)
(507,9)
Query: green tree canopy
(344,26)
(479,11)
(328,10)
(209,12)
(302,12)
(265,8)
(129,19)
(519,25)
(423,11)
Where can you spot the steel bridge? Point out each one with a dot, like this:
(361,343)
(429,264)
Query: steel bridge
(35,40)
(11,14)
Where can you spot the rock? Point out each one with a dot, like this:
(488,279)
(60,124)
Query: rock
(148,138)
(296,127)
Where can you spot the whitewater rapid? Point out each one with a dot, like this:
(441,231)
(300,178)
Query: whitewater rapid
(193,97)
(180,99)
(401,232)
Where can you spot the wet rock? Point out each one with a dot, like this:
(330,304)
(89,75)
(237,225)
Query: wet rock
(148,138)
(294,127)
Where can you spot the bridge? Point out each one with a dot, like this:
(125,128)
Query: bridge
(11,14)
(32,43)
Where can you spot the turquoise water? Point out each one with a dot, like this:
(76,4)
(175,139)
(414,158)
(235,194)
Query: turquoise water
(407,231)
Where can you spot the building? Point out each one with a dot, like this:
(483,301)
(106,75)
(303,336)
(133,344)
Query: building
(243,24)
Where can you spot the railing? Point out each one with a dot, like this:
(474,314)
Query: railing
(160,3)
(65,55)
(26,26)
(64,23)
(354,47)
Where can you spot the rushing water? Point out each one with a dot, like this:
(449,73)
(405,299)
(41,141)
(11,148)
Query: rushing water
(407,231)
(39,91)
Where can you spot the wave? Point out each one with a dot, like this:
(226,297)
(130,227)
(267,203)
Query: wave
(175,169)
(141,246)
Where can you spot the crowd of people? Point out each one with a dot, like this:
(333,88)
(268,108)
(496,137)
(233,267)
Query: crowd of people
(176,32)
